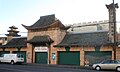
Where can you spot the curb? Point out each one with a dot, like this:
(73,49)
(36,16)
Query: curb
(60,66)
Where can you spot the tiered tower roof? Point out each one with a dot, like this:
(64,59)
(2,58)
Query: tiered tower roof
(13,32)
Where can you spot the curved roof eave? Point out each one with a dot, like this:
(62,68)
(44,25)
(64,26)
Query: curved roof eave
(56,22)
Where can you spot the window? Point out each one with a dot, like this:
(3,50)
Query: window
(115,62)
(18,55)
(2,55)
(22,56)
(99,27)
(106,62)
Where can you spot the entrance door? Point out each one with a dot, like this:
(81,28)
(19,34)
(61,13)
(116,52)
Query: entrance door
(69,58)
(41,57)
(97,56)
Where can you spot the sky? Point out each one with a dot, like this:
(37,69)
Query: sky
(27,12)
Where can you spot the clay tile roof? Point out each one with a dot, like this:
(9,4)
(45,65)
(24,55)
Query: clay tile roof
(44,21)
(16,42)
(40,39)
(85,39)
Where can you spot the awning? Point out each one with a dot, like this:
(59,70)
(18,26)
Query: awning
(40,39)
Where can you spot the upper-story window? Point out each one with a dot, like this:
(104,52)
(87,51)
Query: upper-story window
(99,27)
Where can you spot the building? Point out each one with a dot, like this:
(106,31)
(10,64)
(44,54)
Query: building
(13,43)
(92,47)
(3,40)
(50,42)
(42,36)
(89,26)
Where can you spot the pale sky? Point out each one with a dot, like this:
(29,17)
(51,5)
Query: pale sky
(27,12)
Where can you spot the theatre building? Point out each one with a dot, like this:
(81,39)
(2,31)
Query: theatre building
(13,43)
(42,36)
(48,42)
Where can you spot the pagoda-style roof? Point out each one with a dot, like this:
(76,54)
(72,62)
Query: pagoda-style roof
(46,22)
(13,27)
(13,31)
(40,39)
(111,6)
(16,43)
(85,39)
(13,34)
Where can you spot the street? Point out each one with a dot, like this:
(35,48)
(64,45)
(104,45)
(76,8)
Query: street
(40,68)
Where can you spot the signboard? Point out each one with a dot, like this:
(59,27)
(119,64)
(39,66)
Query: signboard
(41,49)
(53,56)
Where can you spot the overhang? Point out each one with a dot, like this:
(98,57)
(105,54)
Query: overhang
(85,39)
(16,43)
(40,39)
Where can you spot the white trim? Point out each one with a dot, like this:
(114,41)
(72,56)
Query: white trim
(41,49)
(118,45)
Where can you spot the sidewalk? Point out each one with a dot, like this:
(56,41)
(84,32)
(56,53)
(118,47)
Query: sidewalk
(61,66)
